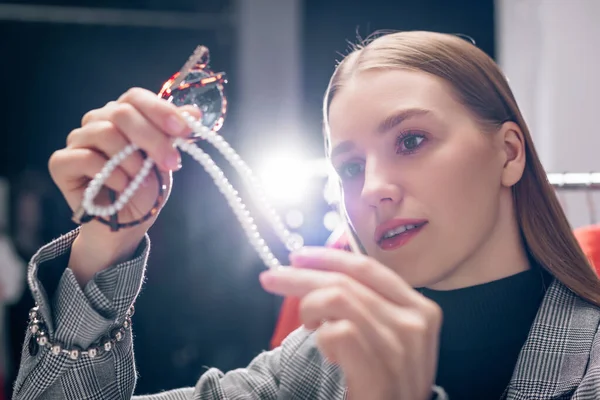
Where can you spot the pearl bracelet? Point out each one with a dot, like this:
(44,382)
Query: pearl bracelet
(38,330)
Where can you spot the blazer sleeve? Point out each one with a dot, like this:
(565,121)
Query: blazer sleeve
(76,317)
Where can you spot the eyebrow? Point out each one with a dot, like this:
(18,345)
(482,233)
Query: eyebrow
(390,122)
(343,147)
(399,117)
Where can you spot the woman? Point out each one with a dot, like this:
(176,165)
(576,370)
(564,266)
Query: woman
(446,194)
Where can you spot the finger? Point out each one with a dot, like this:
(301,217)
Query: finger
(105,112)
(361,268)
(99,114)
(165,116)
(296,282)
(139,130)
(375,323)
(342,344)
(105,138)
(73,168)
(331,304)
(339,288)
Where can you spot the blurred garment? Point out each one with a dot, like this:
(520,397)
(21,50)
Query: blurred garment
(589,240)
(12,281)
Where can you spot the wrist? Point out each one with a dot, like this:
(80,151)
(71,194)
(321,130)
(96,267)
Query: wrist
(91,255)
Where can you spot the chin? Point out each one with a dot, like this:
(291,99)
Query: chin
(410,262)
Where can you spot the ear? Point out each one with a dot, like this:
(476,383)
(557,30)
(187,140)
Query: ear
(513,148)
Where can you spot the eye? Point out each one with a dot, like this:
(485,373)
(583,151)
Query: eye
(350,170)
(409,142)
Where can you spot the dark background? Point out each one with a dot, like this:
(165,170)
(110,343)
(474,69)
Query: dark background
(201,304)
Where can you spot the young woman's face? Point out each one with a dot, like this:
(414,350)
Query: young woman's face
(421,181)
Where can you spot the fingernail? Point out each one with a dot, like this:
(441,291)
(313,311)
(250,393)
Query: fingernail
(173,162)
(175,125)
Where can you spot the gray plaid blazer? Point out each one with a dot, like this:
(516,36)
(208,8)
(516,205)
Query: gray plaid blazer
(560,359)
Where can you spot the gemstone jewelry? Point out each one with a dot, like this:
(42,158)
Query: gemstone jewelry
(39,337)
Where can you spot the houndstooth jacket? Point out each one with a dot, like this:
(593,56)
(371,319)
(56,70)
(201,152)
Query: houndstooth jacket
(560,359)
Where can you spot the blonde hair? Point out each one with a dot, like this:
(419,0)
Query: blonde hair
(479,85)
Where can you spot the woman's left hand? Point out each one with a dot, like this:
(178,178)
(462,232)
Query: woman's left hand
(380,331)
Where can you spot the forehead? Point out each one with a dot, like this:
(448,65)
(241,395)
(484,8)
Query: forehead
(369,97)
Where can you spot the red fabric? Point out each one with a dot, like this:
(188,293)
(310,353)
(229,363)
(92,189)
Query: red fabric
(288,321)
(289,315)
(589,240)
(289,318)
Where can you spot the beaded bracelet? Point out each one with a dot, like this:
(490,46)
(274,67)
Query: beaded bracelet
(38,329)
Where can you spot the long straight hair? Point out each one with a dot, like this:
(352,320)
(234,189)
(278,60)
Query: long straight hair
(479,85)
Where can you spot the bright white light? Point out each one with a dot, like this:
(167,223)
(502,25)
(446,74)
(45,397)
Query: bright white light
(294,219)
(286,177)
(332,220)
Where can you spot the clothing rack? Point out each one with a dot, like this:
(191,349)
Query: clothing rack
(575,181)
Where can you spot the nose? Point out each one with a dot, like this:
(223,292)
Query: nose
(379,186)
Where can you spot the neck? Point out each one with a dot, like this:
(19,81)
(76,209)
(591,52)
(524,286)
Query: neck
(501,254)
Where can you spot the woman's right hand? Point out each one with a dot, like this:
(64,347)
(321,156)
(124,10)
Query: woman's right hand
(140,117)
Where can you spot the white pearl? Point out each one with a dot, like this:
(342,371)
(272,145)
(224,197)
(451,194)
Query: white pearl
(128,192)
(220,180)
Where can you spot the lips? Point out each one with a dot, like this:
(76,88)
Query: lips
(395,224)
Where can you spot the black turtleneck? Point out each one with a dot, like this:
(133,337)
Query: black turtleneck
(483,331)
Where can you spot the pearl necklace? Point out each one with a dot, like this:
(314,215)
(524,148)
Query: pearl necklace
(291,241)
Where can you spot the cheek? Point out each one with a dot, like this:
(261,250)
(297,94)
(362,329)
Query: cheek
(360,215)
(465,185)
